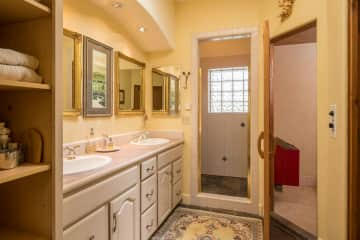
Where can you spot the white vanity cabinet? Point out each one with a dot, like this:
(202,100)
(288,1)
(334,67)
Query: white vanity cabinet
(127,205)
(169,181)
(124,215)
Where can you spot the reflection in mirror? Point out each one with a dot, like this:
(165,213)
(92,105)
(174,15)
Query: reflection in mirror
(72,73)
(129,86)
(159,91)
(98,84)
(98,79)
(173,95)
(165,89)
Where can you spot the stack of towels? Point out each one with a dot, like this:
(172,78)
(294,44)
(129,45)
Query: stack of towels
(18,66)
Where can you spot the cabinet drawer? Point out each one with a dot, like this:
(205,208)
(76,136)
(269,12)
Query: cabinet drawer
(96,195)
(177,171)
(148,192)
(148,168)
(167,157)
(148,223)
(95,226)
(177,192)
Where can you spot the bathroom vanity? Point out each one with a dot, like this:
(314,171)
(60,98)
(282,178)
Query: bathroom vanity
(127,199)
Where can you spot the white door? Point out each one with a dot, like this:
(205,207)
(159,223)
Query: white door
(125,215)
(225,138)
(164,193)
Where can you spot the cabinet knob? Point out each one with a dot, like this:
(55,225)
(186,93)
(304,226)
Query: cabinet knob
(224,158)
(92,237)
(178,171)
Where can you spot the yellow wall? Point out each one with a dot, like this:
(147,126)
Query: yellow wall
(92,22)
(210,15)
(193,17)
(331,18)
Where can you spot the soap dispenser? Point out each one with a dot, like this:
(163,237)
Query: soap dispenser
(90,145)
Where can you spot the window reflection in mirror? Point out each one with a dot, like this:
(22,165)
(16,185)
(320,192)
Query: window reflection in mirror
(165,89)
(72,48)
(129,91)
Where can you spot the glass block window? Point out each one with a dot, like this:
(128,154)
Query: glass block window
(228,90)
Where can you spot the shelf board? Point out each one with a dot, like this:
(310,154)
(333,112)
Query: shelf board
(23,170)
(17,85)
(22,10)
(7,233)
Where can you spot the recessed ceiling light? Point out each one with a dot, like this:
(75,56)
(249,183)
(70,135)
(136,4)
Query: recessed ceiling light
(117,4)
(142,29)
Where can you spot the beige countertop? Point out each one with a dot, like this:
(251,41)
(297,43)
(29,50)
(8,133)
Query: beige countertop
(128,155)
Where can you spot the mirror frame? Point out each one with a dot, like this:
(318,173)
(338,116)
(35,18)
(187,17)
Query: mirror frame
(89,45)
(119,112)
(77,73)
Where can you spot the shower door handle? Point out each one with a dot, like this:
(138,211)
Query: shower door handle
(259,143)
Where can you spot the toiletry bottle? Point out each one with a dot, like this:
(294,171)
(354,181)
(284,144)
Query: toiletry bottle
(90,145)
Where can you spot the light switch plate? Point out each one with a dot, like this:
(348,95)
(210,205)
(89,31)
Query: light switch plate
(332,120)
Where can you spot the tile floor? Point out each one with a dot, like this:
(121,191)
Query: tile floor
(298,205)
(231,186)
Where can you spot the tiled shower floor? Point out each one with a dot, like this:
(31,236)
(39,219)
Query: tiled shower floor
(232,186)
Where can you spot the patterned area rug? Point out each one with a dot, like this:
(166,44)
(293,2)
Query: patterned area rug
(191,224)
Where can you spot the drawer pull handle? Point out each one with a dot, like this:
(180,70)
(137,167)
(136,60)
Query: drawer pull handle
(178,171)
(150,169)
(149,195)
(149,226)
(115,222)
(92,237)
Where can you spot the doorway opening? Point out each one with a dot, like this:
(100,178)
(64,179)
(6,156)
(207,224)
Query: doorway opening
(225,103)
(293,132)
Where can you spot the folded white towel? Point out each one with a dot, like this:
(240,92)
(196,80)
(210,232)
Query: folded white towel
(19,73)
(11,57)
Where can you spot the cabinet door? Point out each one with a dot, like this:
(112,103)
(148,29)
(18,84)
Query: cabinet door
(164,193)
(125,215)
(95,226)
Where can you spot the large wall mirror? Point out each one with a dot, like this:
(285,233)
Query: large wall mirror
(165,90)
(129,85)
(97,79)
(72,73)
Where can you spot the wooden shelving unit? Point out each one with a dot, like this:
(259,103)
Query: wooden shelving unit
(24,170)
(7,233)
(17,85)
(22,10)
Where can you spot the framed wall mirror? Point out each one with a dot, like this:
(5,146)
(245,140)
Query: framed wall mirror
(129,85)
(72,72)
(166,90)
(97,79)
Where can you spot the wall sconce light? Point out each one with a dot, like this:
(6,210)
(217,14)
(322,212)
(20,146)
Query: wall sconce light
(186,75)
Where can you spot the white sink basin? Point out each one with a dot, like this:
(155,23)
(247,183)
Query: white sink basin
(85,163)
(151,141)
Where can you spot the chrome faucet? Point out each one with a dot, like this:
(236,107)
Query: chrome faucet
(141,137)
(71,154)
(106,140)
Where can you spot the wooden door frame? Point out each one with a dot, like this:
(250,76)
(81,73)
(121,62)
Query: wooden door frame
(269,144)
(353,111)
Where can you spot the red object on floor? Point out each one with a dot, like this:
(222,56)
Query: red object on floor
(286,166)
